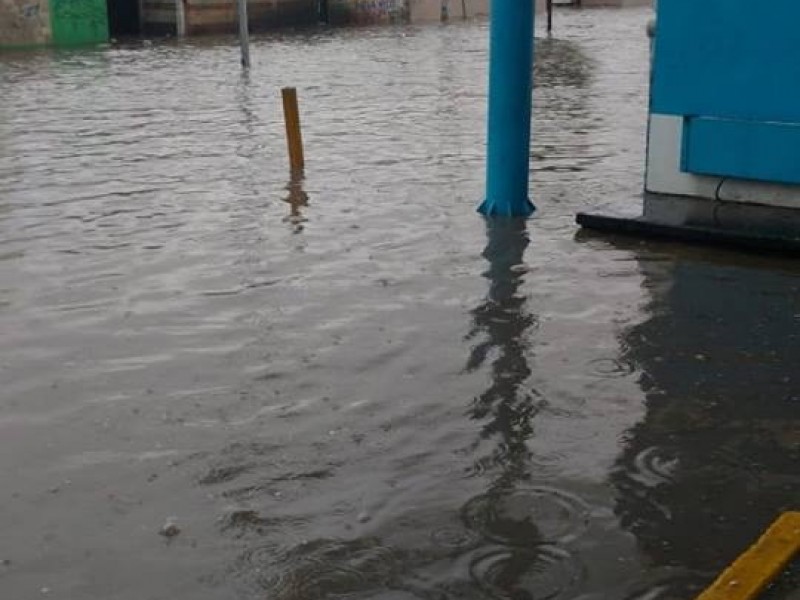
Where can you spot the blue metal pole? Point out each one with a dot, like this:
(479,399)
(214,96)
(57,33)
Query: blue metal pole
(510,97)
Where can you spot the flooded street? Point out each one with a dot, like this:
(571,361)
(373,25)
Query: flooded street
(353,386)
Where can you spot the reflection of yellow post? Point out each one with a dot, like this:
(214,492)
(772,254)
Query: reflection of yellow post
(296,199)
(294,139)
(746,578)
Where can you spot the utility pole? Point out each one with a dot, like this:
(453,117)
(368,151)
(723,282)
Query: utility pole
(244,34)
(510,95)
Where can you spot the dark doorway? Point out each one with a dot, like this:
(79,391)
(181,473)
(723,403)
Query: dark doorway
(322,11)
(123,18)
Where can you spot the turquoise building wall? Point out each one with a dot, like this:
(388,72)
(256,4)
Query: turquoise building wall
(730,70)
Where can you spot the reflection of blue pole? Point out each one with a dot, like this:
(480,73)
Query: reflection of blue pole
(510,92)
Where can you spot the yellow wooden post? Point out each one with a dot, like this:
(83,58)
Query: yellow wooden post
(747,577)
(294,138)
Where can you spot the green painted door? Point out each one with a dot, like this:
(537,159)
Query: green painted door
(79,22)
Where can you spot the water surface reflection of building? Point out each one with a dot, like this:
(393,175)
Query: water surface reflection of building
(717,456)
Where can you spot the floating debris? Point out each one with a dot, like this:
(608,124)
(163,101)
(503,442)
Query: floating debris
(170,529)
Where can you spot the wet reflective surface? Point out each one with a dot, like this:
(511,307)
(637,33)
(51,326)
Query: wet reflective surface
(349,385)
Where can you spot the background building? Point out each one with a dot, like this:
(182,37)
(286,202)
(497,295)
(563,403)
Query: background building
(72,22)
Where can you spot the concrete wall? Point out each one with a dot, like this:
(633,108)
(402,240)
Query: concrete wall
(59,22)
(24,23)
(431,10)
(415,11)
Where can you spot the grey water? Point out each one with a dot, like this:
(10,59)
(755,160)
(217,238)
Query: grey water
(351,386)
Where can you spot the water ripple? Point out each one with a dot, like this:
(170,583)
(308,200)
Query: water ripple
(152,297)
(611,368)
(542,572)
(527,517)
(321,569)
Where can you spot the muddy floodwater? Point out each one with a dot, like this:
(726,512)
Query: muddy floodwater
(219,383)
